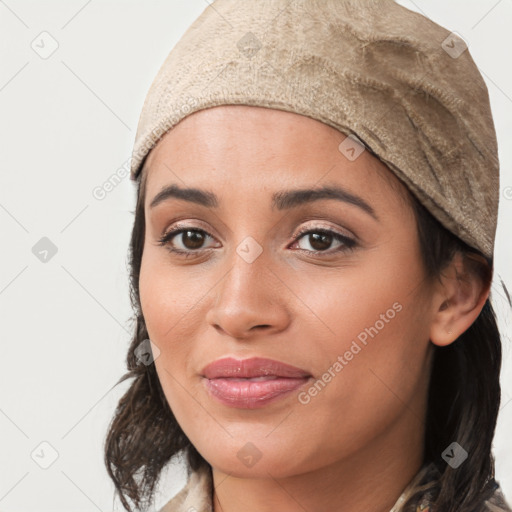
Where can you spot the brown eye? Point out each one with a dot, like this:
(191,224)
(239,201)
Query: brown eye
(185,240)
(320,240)
(192,239)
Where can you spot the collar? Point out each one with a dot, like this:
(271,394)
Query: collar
(197,495)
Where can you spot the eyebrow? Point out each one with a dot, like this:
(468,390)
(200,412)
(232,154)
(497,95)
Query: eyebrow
(282,200)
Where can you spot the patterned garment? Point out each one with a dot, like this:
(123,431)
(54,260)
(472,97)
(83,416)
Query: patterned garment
(418,495)
(197,494)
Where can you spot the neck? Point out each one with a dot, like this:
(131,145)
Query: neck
(371,479)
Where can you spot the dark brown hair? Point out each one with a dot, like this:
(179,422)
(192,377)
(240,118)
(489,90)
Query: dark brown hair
(463,404)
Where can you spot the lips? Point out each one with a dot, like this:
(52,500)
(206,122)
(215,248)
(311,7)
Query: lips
(251,368)
(251,383)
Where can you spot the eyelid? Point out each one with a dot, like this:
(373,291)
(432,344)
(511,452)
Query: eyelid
(318,225)
(181,225)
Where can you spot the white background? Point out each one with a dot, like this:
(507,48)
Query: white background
(67,123)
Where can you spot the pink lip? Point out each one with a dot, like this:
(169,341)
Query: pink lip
(228,381)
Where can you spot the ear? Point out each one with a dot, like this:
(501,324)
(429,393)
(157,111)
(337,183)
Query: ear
(458,299)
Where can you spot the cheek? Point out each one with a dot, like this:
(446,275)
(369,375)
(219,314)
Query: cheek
(372,358)
(168,298)
(171,308)
(371,301)
(173,305)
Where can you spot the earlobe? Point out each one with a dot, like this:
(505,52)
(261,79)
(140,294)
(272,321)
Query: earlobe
(457,302)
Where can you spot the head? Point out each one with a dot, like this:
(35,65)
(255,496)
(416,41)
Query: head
(367,274)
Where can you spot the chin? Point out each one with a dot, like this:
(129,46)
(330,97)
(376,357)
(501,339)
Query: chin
(258,459)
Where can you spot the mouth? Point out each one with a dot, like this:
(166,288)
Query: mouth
(251,383)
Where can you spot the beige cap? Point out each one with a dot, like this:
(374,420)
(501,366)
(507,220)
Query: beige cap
(405,87)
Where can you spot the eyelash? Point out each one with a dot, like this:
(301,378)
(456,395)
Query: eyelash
(348,243)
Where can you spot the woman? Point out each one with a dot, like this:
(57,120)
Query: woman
(311,262)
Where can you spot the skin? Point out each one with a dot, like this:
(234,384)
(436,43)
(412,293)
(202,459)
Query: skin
(358,442)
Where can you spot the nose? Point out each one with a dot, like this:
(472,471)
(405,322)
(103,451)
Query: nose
(250,300)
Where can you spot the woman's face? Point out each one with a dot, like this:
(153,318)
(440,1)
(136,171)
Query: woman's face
(346,302)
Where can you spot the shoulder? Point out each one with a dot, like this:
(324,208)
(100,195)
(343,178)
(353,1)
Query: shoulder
(196,496)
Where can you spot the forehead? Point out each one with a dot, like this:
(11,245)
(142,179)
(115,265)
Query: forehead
(254,150)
